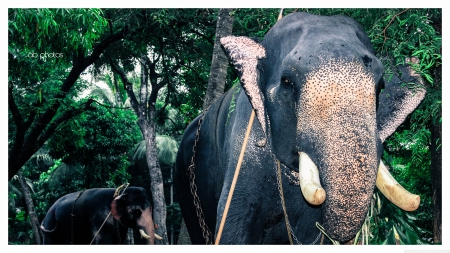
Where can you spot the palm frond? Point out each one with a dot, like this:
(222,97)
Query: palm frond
(62,174)
(104,95)
(167,148)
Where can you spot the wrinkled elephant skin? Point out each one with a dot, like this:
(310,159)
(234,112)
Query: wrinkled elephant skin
(314,83)
(130,209)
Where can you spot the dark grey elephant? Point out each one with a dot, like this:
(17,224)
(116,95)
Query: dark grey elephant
(99,216)
(321,101)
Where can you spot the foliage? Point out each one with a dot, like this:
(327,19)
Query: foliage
(60,31)
(387,224)
(98,141)
(174,218)
(48,50)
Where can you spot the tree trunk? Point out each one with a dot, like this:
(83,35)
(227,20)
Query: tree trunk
(147,124)
(436,180)
(148,129)
(436,168)
(219,64)
(30,207)
(146,111)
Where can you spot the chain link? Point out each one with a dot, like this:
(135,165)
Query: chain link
(73,215)
(191,170)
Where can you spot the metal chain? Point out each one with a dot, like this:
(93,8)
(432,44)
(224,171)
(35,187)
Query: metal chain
(72,215)
(286,218)
(201,218)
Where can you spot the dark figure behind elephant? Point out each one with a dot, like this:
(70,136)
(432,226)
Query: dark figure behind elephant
(316,87)
(76,218)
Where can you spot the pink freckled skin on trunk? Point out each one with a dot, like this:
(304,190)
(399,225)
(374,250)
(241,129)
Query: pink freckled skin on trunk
(339,115)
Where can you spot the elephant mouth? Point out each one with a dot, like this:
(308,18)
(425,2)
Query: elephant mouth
(314,193)
(339,211)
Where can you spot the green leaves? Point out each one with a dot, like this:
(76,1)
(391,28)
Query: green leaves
(60,31)
(392,226)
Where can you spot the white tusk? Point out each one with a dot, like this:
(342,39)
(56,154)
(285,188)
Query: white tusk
(393,191)
(143,234)
(308,174)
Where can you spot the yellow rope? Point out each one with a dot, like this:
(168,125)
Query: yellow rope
(236,174)
(100,228)
(116,193)
(322,229)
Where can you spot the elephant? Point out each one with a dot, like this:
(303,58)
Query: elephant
(313,154)
(99,216)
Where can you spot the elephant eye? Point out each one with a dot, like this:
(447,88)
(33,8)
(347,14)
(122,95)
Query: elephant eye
(137,212)
(286,83)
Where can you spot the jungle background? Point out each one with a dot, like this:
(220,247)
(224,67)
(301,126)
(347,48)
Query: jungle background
(79,81)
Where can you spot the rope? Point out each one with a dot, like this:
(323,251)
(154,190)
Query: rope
(236,174)
(100,228)
(323,231)
(116,193)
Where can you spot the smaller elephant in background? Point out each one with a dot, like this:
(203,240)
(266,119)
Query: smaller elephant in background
(99,216)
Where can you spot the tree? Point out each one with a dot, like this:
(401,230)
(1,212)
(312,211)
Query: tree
(167,148)
(38,162)
(165,33)
(30,208)
(47,52)
(219,65)
(146,110)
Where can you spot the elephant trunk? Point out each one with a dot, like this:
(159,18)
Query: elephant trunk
(349,190)
(146,226)
(336,128)
(348,170)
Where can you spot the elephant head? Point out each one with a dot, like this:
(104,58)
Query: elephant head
(134,211)
(315,84)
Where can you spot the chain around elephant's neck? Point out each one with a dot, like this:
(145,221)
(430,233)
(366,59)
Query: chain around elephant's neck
(72,215)
(191,171)
(286,218)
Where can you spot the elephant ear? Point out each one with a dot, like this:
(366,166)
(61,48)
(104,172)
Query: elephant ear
(244,54)
(399,99)
(117,206)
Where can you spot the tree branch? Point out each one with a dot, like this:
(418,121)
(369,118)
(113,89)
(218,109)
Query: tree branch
(127,84)
(63,118)
(13,107)
(18,157)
